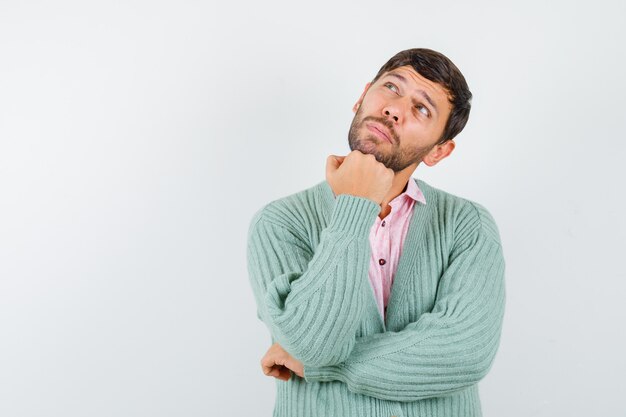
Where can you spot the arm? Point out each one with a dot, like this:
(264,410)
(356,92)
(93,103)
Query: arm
(445,350)
(312,302)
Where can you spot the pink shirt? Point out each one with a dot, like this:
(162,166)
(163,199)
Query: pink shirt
(386,240)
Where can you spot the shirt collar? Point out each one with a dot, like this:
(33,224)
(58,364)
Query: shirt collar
(413,191)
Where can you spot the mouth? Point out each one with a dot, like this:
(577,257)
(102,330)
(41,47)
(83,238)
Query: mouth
(380,132)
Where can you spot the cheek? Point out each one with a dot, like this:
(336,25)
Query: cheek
(414,135)
(372,106)
(422,129)
(413,129)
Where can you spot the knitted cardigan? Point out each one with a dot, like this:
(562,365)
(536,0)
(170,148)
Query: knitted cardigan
(308,257)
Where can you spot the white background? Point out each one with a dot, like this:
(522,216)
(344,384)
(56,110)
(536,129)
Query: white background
(137,138)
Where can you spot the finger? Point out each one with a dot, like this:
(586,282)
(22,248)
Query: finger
(333,162)
(280,372)
(283,373)
(266,366)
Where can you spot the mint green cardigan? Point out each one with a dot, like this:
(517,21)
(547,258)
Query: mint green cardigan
(308,257)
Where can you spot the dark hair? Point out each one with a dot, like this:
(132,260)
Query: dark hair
(436,67)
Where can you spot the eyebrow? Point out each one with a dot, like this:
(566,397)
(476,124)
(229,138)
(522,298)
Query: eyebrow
(422,92)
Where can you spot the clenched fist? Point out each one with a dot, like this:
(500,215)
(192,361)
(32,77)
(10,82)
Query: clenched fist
(278,363)
(360,175)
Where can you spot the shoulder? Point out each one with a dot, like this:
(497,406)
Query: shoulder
(465,214)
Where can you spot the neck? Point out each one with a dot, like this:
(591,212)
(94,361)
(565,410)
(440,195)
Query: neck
(398,186)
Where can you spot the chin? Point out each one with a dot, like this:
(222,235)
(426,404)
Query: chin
(366,148)
(367,144)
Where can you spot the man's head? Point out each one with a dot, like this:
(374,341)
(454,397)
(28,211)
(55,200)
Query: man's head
(420,101)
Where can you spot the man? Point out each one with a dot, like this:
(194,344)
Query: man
(384,295)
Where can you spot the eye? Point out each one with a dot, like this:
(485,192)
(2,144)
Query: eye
(392,85)
(423,109)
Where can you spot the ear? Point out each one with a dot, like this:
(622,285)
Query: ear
(358,103)
(439,152)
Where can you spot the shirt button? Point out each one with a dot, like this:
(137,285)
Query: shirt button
(383,224)
(381,261)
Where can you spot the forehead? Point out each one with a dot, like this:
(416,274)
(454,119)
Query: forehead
(418,82)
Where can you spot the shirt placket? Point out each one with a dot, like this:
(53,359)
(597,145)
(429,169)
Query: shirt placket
(385,257)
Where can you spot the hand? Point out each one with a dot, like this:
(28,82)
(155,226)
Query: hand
(278,363)
(360,175)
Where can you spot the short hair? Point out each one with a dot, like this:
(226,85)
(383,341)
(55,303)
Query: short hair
(436,67)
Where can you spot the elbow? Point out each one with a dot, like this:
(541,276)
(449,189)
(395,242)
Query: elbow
(477,374)
(486,353)
(481,368)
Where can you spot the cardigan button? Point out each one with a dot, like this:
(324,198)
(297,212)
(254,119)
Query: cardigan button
(381,261)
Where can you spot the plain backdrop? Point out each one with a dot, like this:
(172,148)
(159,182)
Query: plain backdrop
(137,138)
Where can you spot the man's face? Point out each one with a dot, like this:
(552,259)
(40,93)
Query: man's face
(399,118)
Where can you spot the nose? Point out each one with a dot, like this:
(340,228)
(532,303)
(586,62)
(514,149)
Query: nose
(391,112)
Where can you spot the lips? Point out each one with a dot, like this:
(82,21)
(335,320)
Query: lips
(380,132)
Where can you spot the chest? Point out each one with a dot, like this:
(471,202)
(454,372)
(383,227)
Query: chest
(419,266)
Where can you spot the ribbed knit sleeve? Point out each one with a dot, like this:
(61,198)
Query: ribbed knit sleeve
(311,301)
(447,349)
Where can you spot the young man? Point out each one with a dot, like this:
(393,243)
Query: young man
(384,295)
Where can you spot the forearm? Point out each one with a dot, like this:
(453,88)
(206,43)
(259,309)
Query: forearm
(444,351)
(312,303)
(430,367)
